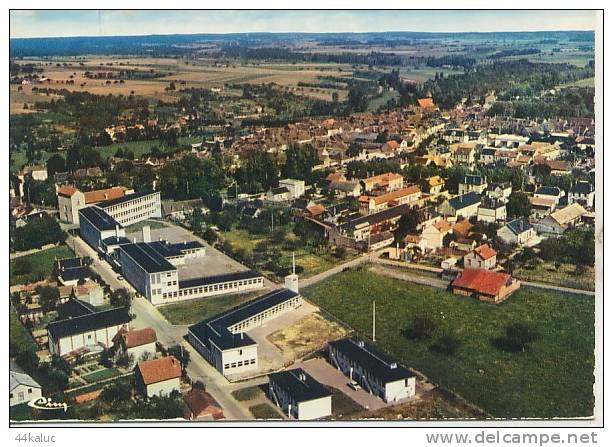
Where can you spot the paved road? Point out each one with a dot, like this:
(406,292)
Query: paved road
(538,285)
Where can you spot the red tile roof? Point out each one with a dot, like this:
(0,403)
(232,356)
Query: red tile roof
(66,191)
(159,370)
(105,194)
(482,281)
(139,337)
(485,251)
(425,103)
(201,403)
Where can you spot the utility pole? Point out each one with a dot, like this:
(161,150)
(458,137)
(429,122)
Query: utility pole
(374,338)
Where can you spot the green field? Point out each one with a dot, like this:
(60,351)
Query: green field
(41,263)
(564,275)
(249,393)
(101,375)
(553,378)
(193,311)
(151,223)
(264,411)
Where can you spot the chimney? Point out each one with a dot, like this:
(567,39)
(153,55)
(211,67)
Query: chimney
(146,233)
(117,228)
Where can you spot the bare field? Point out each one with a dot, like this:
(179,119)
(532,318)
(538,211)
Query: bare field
(195,74)
(307,335)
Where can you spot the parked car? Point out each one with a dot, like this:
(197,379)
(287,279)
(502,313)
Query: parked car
(120,278)
(354,385)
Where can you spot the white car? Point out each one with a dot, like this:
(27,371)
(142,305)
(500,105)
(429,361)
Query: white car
(354,385)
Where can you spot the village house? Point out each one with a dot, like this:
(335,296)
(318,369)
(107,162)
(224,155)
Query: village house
(158,377)
(201,406)
(482,257)
(561,220)
(463,154)
(490,287)
(582,193)
(434,234)
(90,292)
(466,205)
(387,182)
(137,343)
(487,156)
(372,204)
(182,209)
(500,191)
(517,232)
(541,207)
(492,210)
(22,388)
(433,185)
(472,183)
(72,271)
(295,187)
(549,192)
(280,194)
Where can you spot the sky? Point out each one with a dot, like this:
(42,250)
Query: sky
(41,23)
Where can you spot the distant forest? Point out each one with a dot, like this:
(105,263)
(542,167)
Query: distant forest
(178,44)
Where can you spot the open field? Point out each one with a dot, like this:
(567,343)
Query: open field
(193,311)
(247,394)
(194,74)
(41,264)
(565,275)
(307,335)
(553,378)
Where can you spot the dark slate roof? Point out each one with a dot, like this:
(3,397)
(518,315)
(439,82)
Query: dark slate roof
(113,240)
(488,151)
(74,308)
(164,248)
(299,385)
(186,245)
(377,218)
(473,180)
(491,204)
(519,225)
(215,329)
(126,198)
(147,257)
(76,273)
(371,358)
(582,188)
(68,263)
(493,186)
(250,211)
(99,218)
(548,191)
(216,279)
(280,190)
(465,200)
(89,322)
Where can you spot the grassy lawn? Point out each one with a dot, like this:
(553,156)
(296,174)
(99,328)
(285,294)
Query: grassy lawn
(249,393)
(312,262)
(565,275)
(264,411)
(101,375)
(193,311)
(41,262)
(553,378)
(343,405)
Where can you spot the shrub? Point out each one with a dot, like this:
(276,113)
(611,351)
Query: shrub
(446,344)
(518,337)
(421,327)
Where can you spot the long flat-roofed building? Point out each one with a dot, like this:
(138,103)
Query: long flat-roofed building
(222,339)
(299,395)
(133,208)
(372,368)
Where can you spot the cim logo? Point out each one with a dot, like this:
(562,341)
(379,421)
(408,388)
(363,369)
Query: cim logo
(46,403)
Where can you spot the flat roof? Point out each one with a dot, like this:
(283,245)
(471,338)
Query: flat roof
(215,330)
(126,198)
(371,358)
(99,218)
(89,322)
(215,279)
(187,245)
(299,385)
(147,257)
